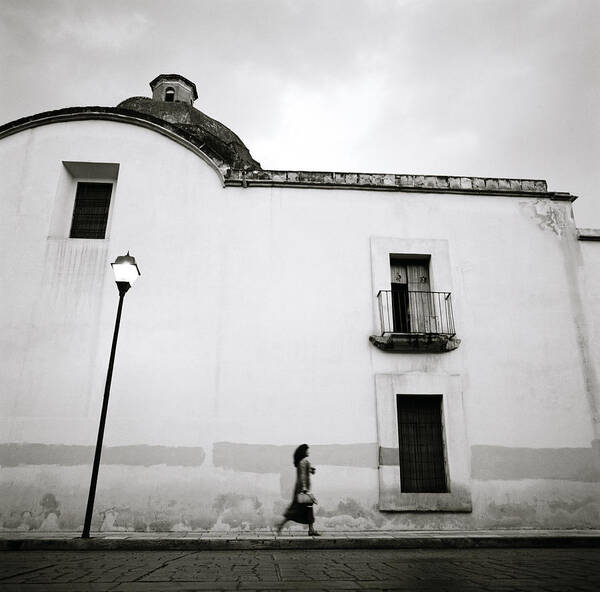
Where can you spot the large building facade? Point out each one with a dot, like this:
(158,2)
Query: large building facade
(434,339)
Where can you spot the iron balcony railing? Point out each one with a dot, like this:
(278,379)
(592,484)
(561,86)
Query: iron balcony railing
(403,311)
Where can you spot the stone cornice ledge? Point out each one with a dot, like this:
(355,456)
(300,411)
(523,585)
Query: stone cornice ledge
(393,182)
(588,234)
(306,179)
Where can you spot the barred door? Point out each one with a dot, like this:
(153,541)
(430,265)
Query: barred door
(421,444)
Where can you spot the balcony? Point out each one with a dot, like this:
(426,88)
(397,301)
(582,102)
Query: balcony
(415,322)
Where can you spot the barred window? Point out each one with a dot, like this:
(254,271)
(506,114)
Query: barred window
(90,214)
(421,443)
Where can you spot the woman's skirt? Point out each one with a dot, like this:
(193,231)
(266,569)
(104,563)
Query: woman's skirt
(302,513)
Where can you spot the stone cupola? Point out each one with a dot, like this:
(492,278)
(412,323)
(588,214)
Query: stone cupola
(173,88)
(172,103)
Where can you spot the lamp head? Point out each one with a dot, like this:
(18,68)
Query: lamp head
(126,271)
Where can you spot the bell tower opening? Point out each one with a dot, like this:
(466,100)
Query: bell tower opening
(173,88)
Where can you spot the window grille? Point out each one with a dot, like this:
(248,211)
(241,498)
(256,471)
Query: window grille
(90,214)
(421,443)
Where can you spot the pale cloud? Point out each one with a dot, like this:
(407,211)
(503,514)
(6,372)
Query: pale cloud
(114,32)
(40,25)
(315,124)
(465,142)
(487,87)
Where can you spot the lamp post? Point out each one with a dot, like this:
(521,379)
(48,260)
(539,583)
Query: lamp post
(126,273)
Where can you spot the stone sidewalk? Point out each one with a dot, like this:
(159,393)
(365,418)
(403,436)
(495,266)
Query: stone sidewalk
(216,541)
(422,570)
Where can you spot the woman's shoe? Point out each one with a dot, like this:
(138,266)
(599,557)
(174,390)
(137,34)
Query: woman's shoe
(314,533)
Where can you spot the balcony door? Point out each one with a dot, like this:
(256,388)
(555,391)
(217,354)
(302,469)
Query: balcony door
(411,305)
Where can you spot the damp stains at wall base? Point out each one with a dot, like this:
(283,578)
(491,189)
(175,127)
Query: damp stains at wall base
(165,498)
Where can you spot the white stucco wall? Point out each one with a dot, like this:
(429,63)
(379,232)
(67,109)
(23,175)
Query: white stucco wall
(250,325)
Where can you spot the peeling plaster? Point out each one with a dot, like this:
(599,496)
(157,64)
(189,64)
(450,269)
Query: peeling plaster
(535,503)
(180,499)
(549,216)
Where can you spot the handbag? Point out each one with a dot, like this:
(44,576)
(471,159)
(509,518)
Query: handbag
(305,498)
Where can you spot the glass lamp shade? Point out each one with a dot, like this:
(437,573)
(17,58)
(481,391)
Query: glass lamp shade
(126,269)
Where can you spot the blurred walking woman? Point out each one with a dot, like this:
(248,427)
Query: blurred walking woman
(301,508)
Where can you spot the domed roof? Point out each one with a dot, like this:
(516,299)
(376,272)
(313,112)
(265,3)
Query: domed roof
(217,138)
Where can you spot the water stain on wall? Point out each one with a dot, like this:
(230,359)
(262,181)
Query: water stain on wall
(12,455)
(389,456)
(502,463)
(488,462)
(44,487)
(268,458)
(572,261)
(558,219)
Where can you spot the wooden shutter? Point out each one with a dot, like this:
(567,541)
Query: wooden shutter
(421,444)
(419,297)
(90,213)
(410,300)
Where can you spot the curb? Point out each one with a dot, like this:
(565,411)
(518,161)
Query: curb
(298,543)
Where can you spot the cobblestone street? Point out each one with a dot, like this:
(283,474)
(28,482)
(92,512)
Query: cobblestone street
(552,570)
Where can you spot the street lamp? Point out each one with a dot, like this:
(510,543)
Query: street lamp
(126,273)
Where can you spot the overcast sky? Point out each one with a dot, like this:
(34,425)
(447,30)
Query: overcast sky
(500,88)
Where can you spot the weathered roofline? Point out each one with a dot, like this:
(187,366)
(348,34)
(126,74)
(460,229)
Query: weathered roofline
(305,179)
(395,182)
(128,116)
